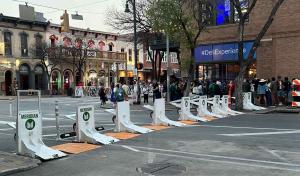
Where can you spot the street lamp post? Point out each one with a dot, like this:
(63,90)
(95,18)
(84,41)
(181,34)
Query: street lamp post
(168,68)
(127,10)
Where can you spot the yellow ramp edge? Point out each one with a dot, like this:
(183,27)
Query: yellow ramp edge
(209,118)
(156,127)
(75,148)
(188,122)
(122,135)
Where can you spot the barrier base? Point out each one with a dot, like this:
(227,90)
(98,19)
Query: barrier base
(92,136)
(39,149)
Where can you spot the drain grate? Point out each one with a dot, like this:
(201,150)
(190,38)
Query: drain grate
(157,169)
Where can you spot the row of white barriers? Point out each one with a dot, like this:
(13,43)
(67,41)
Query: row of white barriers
(219,107)
(29,123)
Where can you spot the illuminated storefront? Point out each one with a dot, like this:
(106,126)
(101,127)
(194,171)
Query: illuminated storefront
(220,61)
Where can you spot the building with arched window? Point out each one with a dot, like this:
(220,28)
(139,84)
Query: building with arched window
(19,66)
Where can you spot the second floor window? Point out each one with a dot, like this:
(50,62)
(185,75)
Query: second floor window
(38,45)
(122,50)
(7,44)
(24,44)
(130,55)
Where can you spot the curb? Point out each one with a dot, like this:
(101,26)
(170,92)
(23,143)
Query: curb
(13,163)
(18,169)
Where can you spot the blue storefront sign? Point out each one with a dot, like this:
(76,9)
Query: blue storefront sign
(220,52)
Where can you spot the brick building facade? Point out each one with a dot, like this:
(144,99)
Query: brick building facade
(278,53)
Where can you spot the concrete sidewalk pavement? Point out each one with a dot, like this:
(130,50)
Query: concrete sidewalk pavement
(12,163)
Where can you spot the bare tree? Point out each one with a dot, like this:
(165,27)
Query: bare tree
(123,22)
(49,57)
(246,63)
(182,21)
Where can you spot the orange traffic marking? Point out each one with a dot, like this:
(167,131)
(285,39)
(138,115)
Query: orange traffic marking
(75,148)
(156,127)
(188,122)
(122,135)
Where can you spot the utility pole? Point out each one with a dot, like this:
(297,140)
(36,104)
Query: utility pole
(168,65)
(127,10)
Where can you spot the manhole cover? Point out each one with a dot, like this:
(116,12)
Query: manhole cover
(157,169)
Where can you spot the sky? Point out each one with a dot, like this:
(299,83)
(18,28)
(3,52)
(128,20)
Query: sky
(93,11)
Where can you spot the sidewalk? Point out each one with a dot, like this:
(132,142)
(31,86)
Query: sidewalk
(11,163)
(281,109)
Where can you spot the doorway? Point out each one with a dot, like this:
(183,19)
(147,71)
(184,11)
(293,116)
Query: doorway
(8,83)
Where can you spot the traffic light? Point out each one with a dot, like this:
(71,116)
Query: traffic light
(140,66)
(65,22)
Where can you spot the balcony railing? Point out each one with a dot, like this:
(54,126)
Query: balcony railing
(62,52)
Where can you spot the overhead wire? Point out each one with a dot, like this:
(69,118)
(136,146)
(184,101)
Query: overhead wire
(59,9)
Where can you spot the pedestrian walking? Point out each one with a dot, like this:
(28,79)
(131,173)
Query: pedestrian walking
(280,91)
(146,91)
(102,95)
(119,93)
(261,91)
(112,95)
(268,93)
(274,91)
(287,86)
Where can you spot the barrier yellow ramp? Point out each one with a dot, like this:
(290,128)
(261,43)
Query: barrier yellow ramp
(156,127)
(188,122)
(75,148)
(122,135)
(210,118)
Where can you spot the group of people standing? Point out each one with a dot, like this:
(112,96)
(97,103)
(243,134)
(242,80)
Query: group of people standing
(271,92)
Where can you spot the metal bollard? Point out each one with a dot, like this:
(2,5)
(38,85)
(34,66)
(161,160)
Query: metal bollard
(10,107)
(56,119)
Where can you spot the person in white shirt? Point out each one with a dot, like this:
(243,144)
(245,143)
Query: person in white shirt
(146,91)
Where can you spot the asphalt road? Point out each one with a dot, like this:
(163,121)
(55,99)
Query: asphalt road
(251,144)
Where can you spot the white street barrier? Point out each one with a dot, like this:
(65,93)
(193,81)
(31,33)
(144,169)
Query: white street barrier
(86,127)
(79,91)
(247,103)
(29,132)
(10,124)
(185,113)
(176,103)
(159,114)
(29,135)
(225,106)
(202,108)
(216,107)
(123,122)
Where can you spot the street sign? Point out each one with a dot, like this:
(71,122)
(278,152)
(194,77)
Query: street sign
(77,17)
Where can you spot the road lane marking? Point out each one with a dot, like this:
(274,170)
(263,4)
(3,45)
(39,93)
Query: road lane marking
(272,152)
(252,128)
(261,133)
(216,158)
(130,148)
(225,162)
